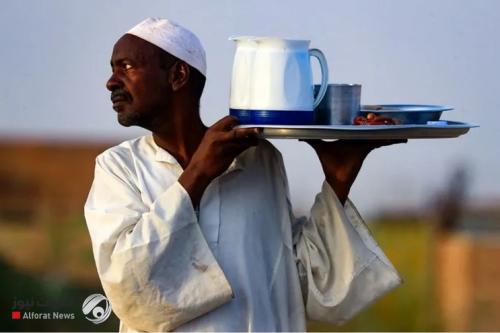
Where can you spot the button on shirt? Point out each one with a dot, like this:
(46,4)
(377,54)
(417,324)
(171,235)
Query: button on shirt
(240,262)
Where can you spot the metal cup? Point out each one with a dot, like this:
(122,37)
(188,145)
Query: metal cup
(340,105)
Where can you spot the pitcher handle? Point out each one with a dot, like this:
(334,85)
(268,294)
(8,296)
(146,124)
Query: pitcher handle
(324,75)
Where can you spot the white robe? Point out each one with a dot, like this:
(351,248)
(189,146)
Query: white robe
(241,263)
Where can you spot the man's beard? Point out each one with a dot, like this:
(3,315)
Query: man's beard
(132,118)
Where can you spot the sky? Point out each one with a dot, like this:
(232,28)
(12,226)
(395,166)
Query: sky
(55,62)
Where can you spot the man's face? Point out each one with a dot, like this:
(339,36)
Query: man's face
(139,85)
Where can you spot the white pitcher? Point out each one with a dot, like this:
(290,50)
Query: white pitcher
(272,81)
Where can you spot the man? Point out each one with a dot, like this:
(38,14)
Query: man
(192,228)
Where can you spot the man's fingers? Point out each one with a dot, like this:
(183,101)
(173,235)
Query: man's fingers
(382,143)
(364,145)
(314,143)
(226,123)
(236,147)
(241,133)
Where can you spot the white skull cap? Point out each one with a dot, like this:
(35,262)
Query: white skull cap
(173,38)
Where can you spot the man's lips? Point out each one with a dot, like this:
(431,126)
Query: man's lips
(119,98)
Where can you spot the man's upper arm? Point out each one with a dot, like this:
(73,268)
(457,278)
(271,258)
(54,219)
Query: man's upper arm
(149,256)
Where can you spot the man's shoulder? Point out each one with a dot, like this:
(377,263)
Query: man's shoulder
(126,151)
(265,153)
(268,149)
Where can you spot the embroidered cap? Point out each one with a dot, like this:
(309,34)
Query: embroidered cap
(173,38)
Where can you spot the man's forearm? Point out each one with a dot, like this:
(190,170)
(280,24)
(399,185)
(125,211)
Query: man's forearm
(342,177)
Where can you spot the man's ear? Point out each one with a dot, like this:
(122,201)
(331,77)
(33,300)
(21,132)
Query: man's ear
(179,75)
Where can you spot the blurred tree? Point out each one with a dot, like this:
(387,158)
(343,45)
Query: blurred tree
(450,202)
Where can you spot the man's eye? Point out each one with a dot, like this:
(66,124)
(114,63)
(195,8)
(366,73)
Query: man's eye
(127,66)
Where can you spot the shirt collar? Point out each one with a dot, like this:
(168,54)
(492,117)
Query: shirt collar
(161,155)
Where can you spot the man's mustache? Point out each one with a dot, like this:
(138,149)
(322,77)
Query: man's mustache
(120,93)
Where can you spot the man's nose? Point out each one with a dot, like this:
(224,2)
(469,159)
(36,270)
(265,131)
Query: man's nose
(114,82)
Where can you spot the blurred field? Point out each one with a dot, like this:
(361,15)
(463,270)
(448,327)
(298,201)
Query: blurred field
(45,252)
(52,266)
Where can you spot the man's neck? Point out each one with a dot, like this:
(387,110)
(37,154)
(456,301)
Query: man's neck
(181,139)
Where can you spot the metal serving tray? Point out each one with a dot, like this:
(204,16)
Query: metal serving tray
(444,129)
